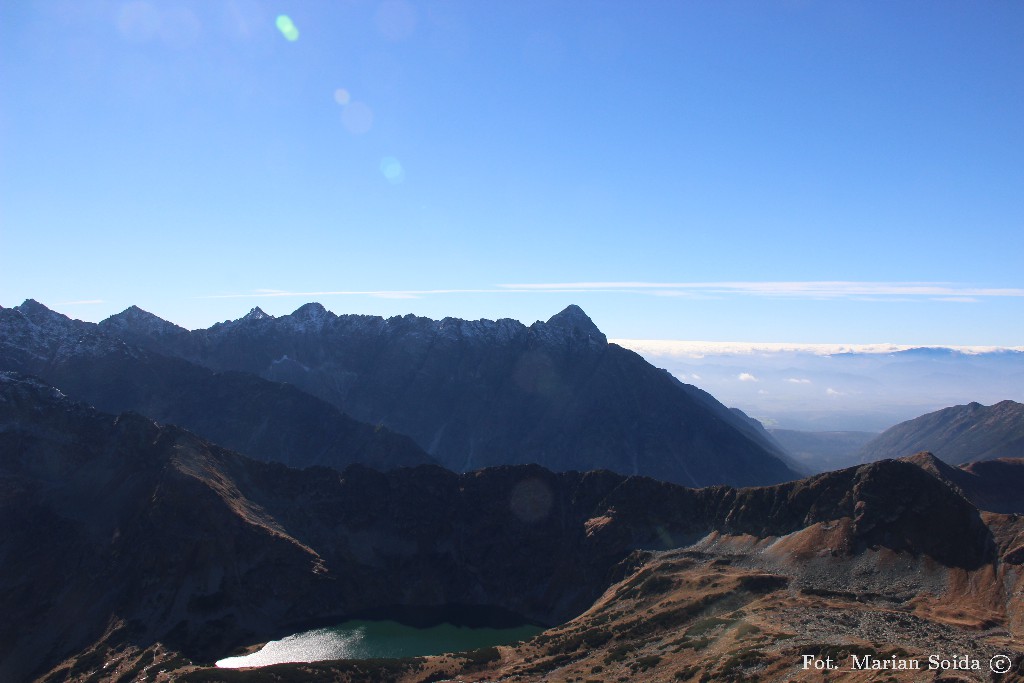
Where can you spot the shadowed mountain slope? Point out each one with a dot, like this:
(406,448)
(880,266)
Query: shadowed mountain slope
(483,393)
(266,420)
(996,485)
(128,537)
(955,435)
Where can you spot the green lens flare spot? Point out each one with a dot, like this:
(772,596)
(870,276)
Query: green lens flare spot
(287,28)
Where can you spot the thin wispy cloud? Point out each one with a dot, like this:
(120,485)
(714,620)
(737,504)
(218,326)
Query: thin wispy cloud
(945,291)
(398,295)
(747,377)
(795,380)
(863,291)
(378,293)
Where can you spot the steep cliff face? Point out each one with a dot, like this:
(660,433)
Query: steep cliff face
(128,535)
(484,393)
(265,420)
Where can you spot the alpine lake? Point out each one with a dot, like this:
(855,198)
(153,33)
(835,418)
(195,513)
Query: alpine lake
(393,634)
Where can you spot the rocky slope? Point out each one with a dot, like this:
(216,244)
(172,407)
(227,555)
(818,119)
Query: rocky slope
(955,435)
(738,610)
(996,485)
(266,420)
(135,549)
(483,393)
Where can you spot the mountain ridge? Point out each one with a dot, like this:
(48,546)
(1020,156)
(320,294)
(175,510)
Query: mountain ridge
(956,435)
(268,420)
(489,392)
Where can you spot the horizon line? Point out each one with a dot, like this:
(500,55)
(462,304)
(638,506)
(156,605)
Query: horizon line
(698,349)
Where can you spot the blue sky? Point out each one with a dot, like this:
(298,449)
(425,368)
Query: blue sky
(742,171)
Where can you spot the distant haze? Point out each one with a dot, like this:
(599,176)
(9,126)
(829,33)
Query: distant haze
(826,387)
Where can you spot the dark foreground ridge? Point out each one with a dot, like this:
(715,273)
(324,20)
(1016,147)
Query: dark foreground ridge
(130,544)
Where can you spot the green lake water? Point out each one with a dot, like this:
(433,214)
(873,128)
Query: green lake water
(372,639)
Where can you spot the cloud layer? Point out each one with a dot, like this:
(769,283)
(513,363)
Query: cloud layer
(944,291)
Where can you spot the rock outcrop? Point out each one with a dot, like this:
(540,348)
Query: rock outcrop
(995,485)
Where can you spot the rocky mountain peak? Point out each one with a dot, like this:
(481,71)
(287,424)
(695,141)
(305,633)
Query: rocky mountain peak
(29,305)
(135,314)
(43,318)
(927,461)
(310,311)
(35,310)
(137,321)
(575,322)
(257,314)
(311,316)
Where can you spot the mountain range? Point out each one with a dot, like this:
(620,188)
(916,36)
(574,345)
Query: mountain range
(134,549)
(470,394)
(266,420)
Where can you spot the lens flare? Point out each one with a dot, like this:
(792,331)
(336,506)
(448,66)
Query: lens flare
(342,96)
(287,28)
(392,170)
(531,500)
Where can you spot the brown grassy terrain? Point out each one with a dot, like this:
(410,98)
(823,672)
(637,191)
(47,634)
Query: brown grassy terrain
(738,608)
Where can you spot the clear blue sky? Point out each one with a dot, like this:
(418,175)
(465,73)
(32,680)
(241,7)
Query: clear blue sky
(746,171)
